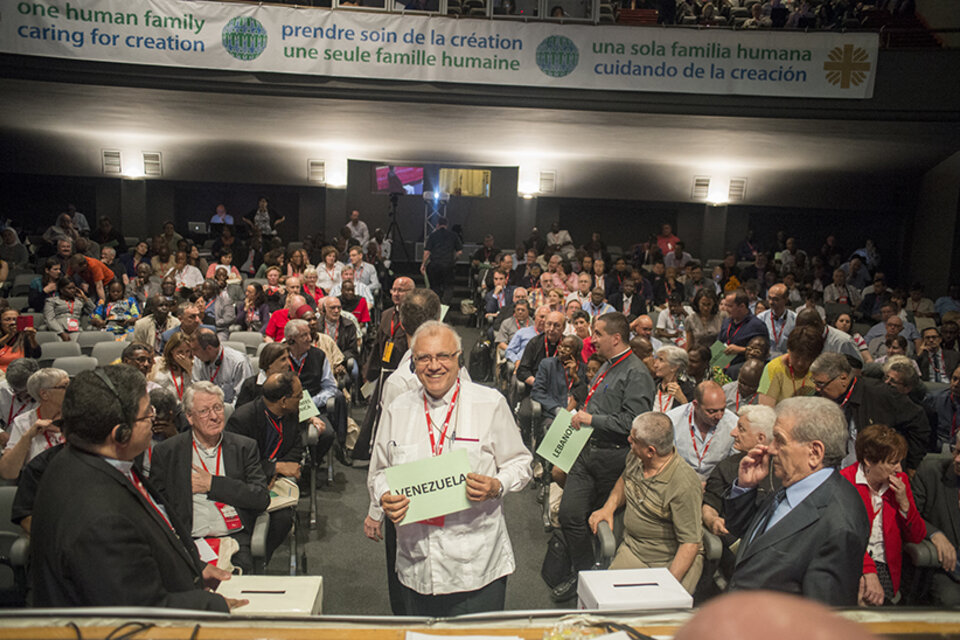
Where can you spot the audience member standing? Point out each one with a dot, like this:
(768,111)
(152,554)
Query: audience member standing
(440,254)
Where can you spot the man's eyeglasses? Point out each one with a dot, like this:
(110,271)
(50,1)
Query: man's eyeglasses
(209,411)
(820,384)
(151,416)
(443,358)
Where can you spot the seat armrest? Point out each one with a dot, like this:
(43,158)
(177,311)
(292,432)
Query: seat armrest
(922,554)
(258,540)
(608,544)
(712,547)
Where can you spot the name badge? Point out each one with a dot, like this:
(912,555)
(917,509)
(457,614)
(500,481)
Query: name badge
(230,516)
(387,351)
(433,522)
(73,324)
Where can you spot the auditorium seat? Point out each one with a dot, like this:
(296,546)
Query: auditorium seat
(18,303)
(21,284)
(50,351)
(87,339)
(14,552)
(251,339)
(75,364)
(108,352)
(236,345)
(44,337)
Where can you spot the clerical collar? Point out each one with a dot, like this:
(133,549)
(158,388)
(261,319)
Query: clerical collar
(614,358)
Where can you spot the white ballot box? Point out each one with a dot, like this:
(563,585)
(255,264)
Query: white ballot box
(631,589)
(275,595)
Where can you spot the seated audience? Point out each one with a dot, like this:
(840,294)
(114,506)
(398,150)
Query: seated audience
(14,397)
(218,309)
(934,361)
(16,343)
(273,331)
(844,323)
(674,388)
(212,480)
(935,491)
(219,364)
(44,286)
(150,328)
(703,428)
(943,411)
(352,303)
(778,319)
(789,375)
(702,324)
(662,495)
(744,391)
(253,312)
(38,429)
(186,274)
(329,269)
(117,314)
(561,381)
(894,519)
(63,312)
(191,321)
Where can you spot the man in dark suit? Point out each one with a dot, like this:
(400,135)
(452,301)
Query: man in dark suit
(809,538)
(222,467)
(935,491)
(865,401)
(936,364)
(101,535)
(272,420)
(627,301)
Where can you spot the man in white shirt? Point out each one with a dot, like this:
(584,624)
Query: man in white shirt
(778,319)
(225,367)
(363,272)
(840,292)
(703,428)
(459,563)
(349,274)
(582,294)
(559,241)
(358,228)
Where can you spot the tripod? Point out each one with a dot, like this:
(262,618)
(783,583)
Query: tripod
(393,231)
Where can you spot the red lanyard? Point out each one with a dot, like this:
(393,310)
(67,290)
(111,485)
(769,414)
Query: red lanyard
(178,389)
(730,326)
(603,375)
(773,328)
(693,438)
(662,406)
(143,491)
(847,397)
(12,414)
(546,348)
(279,429)
(399,324)
(296,371)
(72,302)
(219,453)
(55,441)
(569,379)
(793,378)
(437,450)
(749,400)
(219,364)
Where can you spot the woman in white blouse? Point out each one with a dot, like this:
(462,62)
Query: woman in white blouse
(33,432)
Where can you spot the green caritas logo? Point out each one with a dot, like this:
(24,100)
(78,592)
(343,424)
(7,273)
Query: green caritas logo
(557,56)
(244,38)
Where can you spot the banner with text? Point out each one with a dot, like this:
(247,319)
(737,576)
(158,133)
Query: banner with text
(215,35)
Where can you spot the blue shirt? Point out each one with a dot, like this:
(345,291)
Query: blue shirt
(795,494)
(519,342)
(778,329)
(945,304)
(879,330)
(328,385)
(702,452)
(943,406)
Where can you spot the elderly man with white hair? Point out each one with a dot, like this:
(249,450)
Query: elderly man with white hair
(755,426)
(212,479)
(36,430)
(810,536)
(662,495)
(459,563)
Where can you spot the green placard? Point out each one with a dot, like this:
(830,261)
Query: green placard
(307,408)
(436,486)
(562,443)
(717,356)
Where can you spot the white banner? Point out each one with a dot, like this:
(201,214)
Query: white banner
(215,35)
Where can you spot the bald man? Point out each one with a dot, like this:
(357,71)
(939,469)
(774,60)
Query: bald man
(778,319)
(703,428)
(642,348)
(538,349)
(391,341)
(643,327)
(742,392)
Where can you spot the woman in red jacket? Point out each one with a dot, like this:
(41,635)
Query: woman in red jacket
(894,518)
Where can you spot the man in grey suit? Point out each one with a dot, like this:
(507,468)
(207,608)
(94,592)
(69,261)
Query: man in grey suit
(935,490)
(809,538)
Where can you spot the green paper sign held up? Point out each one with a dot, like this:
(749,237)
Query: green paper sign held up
(718,357)
(562,443)
(307,408)
(436,486)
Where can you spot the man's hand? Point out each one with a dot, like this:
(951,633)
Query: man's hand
(200,480)
(601,515)
(373,529)
(213,576)
(480,488)
(718,527)
(734,349)
(871,592)
(900,491)
(40,426)
(754,467)
(318,424)
(946,553)
(423,268)
(395,506)
(289,469)
(581,418)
